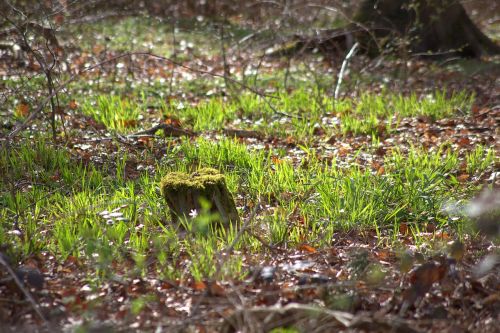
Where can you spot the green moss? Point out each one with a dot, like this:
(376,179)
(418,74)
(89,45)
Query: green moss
(180,181)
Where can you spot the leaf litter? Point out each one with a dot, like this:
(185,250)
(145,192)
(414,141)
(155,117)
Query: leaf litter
(356,284)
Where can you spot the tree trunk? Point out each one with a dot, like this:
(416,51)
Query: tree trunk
(433,27)
(430,28)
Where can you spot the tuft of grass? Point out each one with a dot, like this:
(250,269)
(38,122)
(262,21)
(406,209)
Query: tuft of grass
(114,112)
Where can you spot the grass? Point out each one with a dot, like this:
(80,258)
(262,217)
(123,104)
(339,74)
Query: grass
(114,112)
(310,112)
(94,213)
(52,202)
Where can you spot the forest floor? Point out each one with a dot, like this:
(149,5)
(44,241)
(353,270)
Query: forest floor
(375,211)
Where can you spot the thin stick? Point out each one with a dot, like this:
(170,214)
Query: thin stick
(220,257)
(343,68)
(26,293)
(35,113)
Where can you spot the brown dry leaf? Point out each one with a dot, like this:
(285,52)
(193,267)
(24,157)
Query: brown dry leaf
(430,227)
(59,19)
(343,151)
(290,140)
(426,275)
(172,121)
(463,178)
(98,48)
(463,142)
(276,160)
(383,254)
(73,105)
(22,110)
(168,285)
(307,248)
(146,141)
(216,289)
(403,228)
(331,140)
(422,280)
(129,123)
(201,328)
(199,285)
(443,235)
(33,65)
(475,109)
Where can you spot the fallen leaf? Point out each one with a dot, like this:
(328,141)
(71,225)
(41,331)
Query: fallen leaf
(403,228)
(129,123)
(463,142)
(199,285)
(307,248)
(73,105)
(276,160)
(426,275)
(172,121)
(22,110)
(216,289)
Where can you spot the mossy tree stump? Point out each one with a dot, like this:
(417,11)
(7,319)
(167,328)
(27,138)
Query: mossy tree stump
(184,193)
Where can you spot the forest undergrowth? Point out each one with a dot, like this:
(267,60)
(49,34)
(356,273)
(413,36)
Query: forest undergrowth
(369,212)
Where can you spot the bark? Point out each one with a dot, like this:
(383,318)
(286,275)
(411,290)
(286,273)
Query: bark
(439,27)
(428,28)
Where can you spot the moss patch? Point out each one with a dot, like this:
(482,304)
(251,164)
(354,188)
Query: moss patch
(179,181)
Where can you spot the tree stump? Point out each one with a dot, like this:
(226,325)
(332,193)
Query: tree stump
(185,192)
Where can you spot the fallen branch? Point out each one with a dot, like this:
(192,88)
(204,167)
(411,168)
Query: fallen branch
(23,289)
(168,130)
(309,317)
(269,317)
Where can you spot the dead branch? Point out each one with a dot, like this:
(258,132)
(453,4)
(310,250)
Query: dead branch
(168,130)
(56,90)
(25,291)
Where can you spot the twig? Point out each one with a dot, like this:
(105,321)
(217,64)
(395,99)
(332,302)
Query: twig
(167,129)
(263,242)
(227,70)
(35,113)
(240,233)
(26,293)
(174,52)
(50,41)
(228,249)
(264,96)
(343,68)
(360,25)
